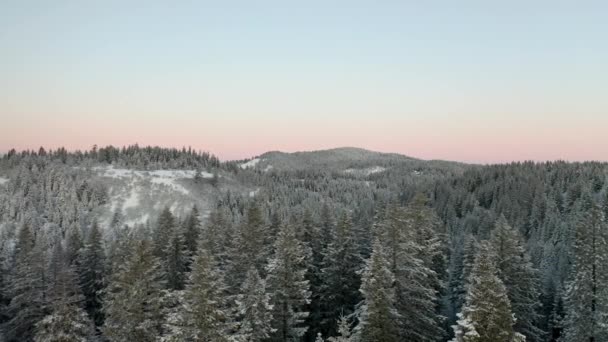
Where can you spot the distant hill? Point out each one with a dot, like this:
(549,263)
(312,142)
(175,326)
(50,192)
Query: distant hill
(350,160)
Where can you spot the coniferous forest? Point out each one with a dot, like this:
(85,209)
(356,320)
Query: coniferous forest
(337,245)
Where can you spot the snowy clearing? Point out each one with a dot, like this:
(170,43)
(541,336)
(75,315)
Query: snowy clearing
(366,172)
(164,174)
(250,164)
(3,180)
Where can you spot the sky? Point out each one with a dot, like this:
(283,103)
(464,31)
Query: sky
(472,81)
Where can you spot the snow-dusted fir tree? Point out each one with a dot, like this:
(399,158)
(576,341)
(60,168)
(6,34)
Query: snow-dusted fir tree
(164,229)
(463,257)
(340,291)
(587,291)
(250,248)
(414,278)
(344,331)
(519,277)
(92,273)
(203,315)
(288,286)
(378,318)
(27,289)
(218,235)
(192,230)
(67,321)
(175,263)
(74,244)
(310,235)
(486,315)
(254,312)
(134,298)
(425,227)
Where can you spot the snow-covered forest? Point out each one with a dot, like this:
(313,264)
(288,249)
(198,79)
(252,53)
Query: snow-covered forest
(156,244)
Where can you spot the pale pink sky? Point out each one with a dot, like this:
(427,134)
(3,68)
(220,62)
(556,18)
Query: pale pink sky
(481,140)
(485,82)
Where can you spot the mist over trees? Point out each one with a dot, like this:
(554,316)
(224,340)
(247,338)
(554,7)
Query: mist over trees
(338,245)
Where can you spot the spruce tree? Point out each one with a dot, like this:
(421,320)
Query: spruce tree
(251,241)
(520,279)
(67,321)
(133,303)
(165,228)
(92,274)
(486,315)
(586,293)
(415,281)
(192,231)
(217,233)
(254,312)
(310,235)
(74,245)
(203,315)
(378,318)
(27,289)
(288,286)
(340,292)
(175,263)
(344,331)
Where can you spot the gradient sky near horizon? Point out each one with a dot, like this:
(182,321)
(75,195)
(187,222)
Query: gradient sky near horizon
(473,81)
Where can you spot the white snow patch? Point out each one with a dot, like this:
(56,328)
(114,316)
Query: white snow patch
(165,174)
(131,201)
(250,164)
(3,180)
(366,172)
(254,192)
(141,220)
(268,168)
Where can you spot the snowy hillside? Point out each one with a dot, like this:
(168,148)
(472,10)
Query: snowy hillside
(141,195)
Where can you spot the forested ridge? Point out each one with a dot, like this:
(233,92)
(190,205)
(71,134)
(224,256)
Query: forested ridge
(338,245)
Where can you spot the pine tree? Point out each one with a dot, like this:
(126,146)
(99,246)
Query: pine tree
(134,298)
(288,286)
(586,293)
(92,273)
(254,312)
(204,315)
(486,316)
(340,292)
(27,289)
(378,318)
(519,277)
